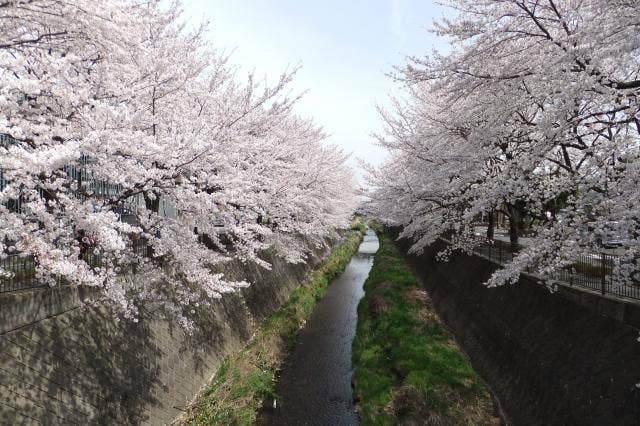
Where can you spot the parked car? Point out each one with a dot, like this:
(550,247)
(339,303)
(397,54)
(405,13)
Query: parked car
(611,236)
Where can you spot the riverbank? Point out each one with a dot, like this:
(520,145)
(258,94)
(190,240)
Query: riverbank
(407,369)
(246,379)
(551,358)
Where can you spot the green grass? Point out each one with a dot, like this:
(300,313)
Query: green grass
(407,368)
(358,225)
(245,379)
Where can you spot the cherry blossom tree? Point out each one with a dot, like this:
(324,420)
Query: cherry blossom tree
(117,109)
(535,113)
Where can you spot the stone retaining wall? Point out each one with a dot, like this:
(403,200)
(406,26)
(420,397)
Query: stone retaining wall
(62,363)
(564,358)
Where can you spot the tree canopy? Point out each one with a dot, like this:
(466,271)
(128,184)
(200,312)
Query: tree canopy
(533,113)
(117,108)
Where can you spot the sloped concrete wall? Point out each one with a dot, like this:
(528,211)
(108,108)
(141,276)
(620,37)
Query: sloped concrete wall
(564,358)
(62,363)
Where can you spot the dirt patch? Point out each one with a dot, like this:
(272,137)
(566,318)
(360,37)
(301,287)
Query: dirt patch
(378,304)
(412,407)
(408,407)
(426,312)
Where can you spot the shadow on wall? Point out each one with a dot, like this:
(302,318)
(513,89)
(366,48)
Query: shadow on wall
(220,324)
(551,358)
(63,364)
(227,323)
(81,368)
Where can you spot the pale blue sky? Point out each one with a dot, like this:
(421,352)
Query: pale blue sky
(345,48)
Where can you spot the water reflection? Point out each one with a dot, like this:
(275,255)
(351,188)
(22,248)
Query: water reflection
(370,244)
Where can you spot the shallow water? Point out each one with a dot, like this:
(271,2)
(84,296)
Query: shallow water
(314,386)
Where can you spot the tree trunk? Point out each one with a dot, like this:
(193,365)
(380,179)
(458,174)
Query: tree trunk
(154,206)
(514,219)
(513,233)
(490,226)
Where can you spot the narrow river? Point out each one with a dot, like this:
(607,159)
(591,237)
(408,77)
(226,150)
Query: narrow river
(314,386)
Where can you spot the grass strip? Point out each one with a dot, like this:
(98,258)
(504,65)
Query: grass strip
(245,379)
(407,368)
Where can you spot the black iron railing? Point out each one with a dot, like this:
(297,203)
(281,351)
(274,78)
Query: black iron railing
(592,271)
(23,269)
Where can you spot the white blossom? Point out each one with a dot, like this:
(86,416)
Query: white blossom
(534,113)
(113,107)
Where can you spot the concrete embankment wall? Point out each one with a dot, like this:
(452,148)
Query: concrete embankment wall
(62,363)
(563,358)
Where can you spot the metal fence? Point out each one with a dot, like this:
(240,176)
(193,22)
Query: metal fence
(594,271)
(591,271)
(23,269)
(24,274)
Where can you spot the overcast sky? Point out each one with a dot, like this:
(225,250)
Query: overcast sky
(345,48)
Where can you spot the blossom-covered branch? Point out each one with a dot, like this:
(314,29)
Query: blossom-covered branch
(127,137)
(534,114)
